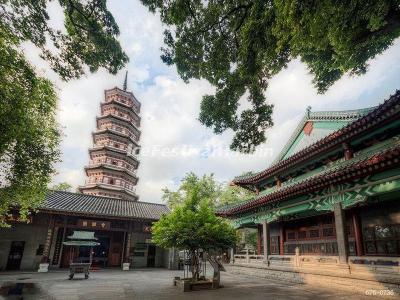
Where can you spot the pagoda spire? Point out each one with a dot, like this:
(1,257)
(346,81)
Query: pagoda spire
(125,81)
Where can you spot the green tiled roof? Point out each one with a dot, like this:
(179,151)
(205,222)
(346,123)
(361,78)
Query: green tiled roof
(338,118)
(334,166)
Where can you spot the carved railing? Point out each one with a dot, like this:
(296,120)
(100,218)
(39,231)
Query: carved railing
(363,266)
(295,261)
(378,264)
(248,256)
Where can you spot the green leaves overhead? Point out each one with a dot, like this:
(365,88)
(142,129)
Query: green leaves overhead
(89,39)
(239,45)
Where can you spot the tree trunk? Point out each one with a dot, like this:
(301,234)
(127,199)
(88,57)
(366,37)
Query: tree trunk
(194,265)
(217,266)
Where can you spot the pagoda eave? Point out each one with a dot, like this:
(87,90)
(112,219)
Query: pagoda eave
(135,161)
(130,123)
(116,133)
(105,186)
(121,105)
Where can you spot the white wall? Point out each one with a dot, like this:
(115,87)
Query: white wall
(33,237)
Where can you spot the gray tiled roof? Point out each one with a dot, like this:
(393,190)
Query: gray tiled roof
(68,202)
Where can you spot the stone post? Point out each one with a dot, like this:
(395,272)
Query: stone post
(297,257)
(247,255)
(266,240)
(44,262)
(232,254)
(341,234)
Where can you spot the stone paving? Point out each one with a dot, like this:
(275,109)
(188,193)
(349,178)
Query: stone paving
(157,284)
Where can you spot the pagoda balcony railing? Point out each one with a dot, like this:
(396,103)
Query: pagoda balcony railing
(104,181)
(120,149)
(112,114)
(132,173)
(110,145)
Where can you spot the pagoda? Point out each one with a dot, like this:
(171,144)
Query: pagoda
(113,163)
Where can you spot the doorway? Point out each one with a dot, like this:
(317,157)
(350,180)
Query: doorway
(15,255)
(151,256)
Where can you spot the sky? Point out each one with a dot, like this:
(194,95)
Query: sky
(173,141)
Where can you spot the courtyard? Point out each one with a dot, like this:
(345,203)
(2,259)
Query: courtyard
(157,284)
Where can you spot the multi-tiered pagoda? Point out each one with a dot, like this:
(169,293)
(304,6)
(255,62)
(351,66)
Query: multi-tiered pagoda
(113,158)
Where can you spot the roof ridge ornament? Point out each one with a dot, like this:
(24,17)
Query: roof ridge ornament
(125,86)
(308,111)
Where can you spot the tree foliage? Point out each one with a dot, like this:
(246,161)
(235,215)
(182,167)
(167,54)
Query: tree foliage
(29,133)
(193,226)
(209,189)
(239,45)
(247,239)
(62,186)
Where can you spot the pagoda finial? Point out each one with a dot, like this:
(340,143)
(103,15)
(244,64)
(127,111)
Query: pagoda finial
(125,81)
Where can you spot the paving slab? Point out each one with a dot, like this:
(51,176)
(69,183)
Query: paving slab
(157,284)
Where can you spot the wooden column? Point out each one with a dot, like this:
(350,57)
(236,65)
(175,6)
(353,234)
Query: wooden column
(348,152)
(281,239)
(341,234)
(49,239)
(266,241)
(259,238)
(62,245)
(128,243)
(358,234)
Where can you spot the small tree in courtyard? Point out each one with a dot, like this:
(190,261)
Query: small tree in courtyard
(193,226)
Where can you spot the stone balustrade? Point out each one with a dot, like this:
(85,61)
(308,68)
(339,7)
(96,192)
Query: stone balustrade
(381,269)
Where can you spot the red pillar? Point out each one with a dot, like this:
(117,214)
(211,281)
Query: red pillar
(358,234)
(281,239)
(259,238)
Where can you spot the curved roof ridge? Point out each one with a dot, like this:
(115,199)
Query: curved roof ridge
(351,115)
(374,156)
(328,139)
